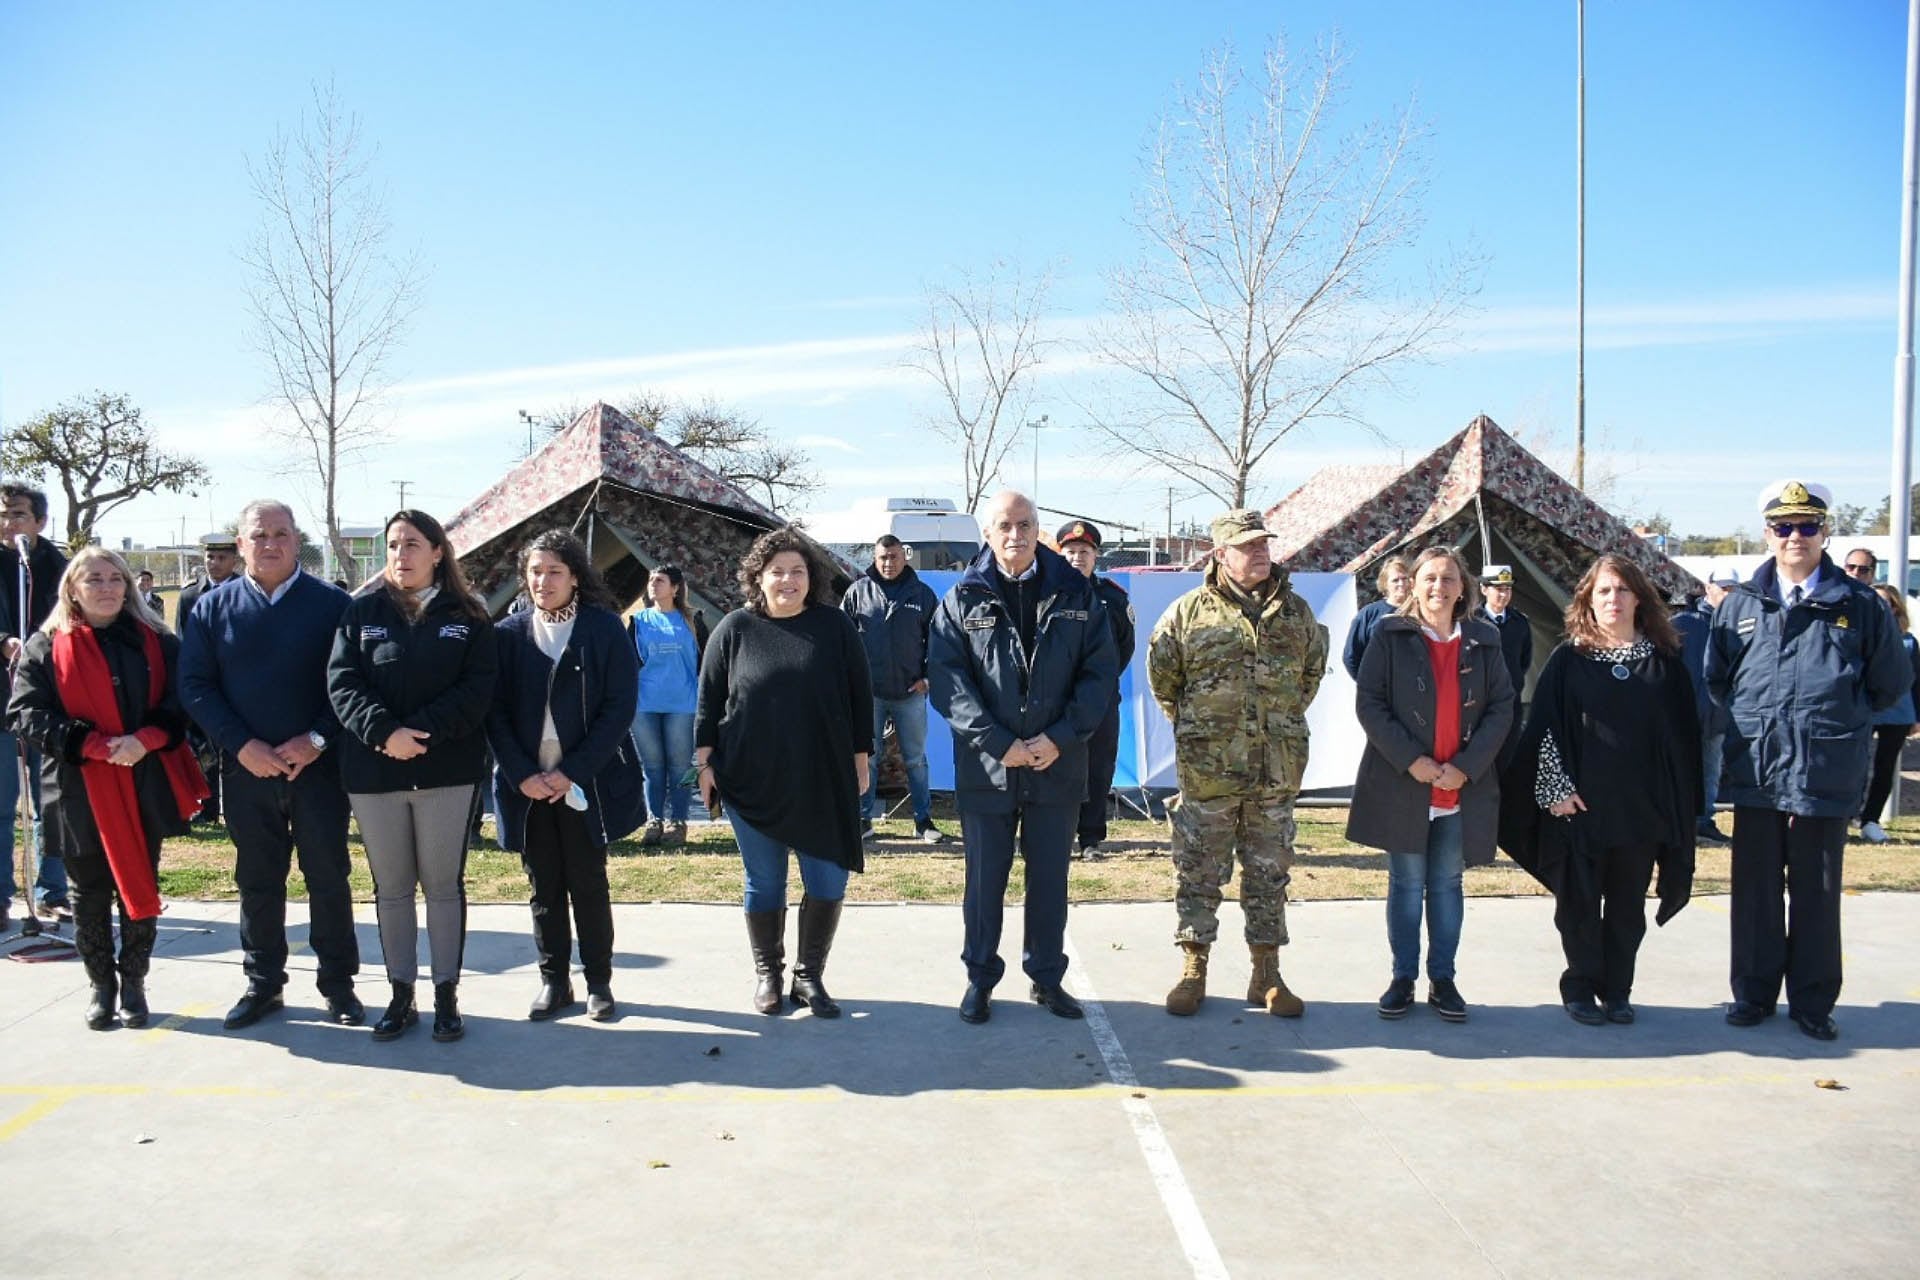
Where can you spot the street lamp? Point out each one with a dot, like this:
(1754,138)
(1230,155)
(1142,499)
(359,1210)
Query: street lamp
(1037,428)
(528,419)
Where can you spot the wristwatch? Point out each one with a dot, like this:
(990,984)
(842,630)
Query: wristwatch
(319,743)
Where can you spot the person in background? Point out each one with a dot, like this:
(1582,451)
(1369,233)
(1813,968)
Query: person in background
(782,741)
(892,609)
(1862,565)
(143,587)
(23,514)
(411,678)
(566,781)
(1079,543)
(220,560)
(96,692)
(1799,659)
(1393,582)
(1606,784)
(1693,624)
(668,638)
(253,673)
(1892,725)
(1435,707)
(1516,642)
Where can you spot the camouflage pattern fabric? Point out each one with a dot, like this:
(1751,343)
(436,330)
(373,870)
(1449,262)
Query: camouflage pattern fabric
(1206,834)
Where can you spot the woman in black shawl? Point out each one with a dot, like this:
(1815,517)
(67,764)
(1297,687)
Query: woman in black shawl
(1606,784)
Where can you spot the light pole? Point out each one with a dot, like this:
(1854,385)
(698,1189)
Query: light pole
(528,419)
(1037,428)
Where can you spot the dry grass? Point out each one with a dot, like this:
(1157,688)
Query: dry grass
(1137,868)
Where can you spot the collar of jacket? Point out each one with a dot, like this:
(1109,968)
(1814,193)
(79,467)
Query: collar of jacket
(1470,633)
(1215,576)
(1055,573)
(1832,587)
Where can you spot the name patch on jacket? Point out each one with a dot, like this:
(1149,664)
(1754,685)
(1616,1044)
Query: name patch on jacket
(1072,615)
(979,622)
(373,633)
(454,631)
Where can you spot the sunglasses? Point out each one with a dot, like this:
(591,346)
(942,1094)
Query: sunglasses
(1806,528)
(1860,568)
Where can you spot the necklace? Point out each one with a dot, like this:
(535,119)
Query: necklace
(563,614)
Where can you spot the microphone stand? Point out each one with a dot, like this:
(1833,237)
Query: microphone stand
(27,812)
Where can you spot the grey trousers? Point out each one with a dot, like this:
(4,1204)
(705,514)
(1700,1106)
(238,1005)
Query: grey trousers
(418,838)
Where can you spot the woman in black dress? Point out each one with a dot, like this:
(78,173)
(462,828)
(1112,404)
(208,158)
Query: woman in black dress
(782,738)
(1606,784)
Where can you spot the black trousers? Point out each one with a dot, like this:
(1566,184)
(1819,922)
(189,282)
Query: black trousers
(269,818)
(94,895)
(1776,853)
(1601,912)
(1103,747)
(563,863)
(1888,739)
(1045,837)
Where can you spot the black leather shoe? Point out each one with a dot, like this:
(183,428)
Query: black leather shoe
(1618,1010)
(100,1008)
(1397,998)
(133,1003)
(447,1024)
(399,1016)
(1444,999)
(1817,1025)
(600,1005)
(977,1005)
(1742,1013)
(1057,1001)
(346,1010)
(252,1007)
(1586,1012)
(554,999)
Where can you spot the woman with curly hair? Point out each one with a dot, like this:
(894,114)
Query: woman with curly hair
(783,736)
(1606,783)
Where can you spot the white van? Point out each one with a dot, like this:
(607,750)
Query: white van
(937,533)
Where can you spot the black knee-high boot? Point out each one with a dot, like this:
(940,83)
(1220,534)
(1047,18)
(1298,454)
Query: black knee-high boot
(766,934)
(136,955)
(818,922)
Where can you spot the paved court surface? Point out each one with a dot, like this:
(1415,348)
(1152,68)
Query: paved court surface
(696,1138)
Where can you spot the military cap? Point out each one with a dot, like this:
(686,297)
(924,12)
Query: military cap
(1496,575)
(1242,524)
(1078,531)
(1786,498)
(219,542)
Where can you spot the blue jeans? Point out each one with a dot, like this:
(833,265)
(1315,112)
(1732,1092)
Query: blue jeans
(50,876)
(665,739)
(766,862)
(1433,877)
(909,715)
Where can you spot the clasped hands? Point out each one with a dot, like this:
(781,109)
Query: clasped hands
(551,786)
(264,760)
(1031,753)
(1444,776)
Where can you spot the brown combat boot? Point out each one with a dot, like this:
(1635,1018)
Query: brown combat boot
(1268,988)
(1184,1000)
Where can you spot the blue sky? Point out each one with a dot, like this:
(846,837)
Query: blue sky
(747,204)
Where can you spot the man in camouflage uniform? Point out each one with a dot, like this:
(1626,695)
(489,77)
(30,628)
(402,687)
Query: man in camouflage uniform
(1234,664)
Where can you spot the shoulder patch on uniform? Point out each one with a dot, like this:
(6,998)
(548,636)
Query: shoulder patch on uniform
(1131,616)
(1746,625)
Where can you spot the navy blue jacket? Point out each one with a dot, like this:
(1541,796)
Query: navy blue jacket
(1695,624)
(249,669)
(893,619)
(593,690)
(1799,688)
(1360,635)
(1516,646)
(993,693)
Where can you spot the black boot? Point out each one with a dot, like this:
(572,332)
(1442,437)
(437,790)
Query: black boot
(818,921)
(93,939)
(400,1014)
(446,1012)
(100,1005)
(767,933)
(136,954)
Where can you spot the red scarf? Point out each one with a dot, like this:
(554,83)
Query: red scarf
(85,685)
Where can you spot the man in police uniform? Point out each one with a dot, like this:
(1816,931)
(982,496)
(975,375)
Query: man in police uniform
(1798,659)
(220,553)
(1079,542)
(1234,663)
(1516,641)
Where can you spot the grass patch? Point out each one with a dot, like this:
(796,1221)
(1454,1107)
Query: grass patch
(899,869)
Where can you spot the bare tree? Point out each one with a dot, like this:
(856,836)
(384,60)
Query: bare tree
(329,302)
(1262,301)
(101,454)
(980,343)
(722,439)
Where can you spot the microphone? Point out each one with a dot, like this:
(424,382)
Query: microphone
(20,544)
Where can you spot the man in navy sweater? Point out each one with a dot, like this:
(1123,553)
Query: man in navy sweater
(253,671)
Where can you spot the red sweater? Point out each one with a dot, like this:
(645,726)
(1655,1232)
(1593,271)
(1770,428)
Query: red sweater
(1445,657)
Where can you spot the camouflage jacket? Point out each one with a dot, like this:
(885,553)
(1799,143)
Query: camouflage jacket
(1236,691)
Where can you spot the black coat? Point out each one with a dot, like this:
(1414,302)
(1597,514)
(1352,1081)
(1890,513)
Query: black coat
(893,619)
(592,690)
(993,693)
(435,673)
(45,564)
(1516,644)
(1395,699)
(1119,606)
(37,714)
(1593,715)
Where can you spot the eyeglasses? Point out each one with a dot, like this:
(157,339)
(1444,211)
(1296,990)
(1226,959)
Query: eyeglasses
(1865,569)
(1806,528)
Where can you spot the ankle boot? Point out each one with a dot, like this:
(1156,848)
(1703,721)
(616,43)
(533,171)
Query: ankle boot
(399,1015)
(766,934)
(136,954)
(446,1012)
(100,1005)
(1184,1000)
(1266,988)
(818,921)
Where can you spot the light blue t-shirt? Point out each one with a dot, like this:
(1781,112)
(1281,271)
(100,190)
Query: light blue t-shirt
(670,658)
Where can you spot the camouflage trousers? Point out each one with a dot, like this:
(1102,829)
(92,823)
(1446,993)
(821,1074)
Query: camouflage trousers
(1206,836)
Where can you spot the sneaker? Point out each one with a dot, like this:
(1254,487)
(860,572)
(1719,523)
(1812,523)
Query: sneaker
(867,834)
(676,833)
(654,832)
(927,833)
(1397,999)
(1090,852)
(1873,833)
(1445,999)
(1706,830)
(58,910)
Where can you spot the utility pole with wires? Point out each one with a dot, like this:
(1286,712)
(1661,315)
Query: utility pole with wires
(403,486)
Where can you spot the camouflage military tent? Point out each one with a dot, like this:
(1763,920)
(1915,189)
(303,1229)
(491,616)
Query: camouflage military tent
(1349,519)
(632,497)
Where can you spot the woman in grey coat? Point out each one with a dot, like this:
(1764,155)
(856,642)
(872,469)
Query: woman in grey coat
(1435,701)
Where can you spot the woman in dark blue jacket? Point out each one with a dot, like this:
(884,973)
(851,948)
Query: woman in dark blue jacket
(566,781)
